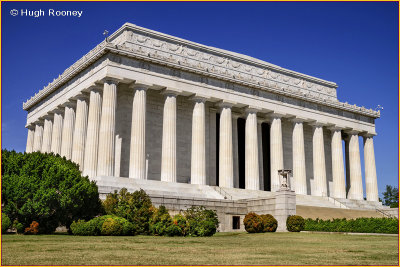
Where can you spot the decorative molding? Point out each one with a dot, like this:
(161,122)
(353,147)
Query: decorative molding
(137,42)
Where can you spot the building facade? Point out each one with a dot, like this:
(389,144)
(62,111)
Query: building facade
(149,106)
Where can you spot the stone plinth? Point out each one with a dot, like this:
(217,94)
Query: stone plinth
(285,205)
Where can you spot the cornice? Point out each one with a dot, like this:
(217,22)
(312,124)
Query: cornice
(148,45)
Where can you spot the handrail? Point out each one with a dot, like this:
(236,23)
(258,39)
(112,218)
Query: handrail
(386,214)
(223,192)
(341,205)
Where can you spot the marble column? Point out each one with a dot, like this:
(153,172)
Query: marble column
(137,159)
(371,182)
(47,132)
(198,164)
(235,149)
(252,177)
(56,137)
(68,131)
(339,180)
(347,163)
(38,138)
(106,153)
(260,153)
(356,186)
(30,139)
(320,184)
(225,147)
(78,148)
(276,150)
(92,134)
(168,157)
(299,160)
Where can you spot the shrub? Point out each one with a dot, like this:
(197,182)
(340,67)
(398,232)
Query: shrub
(33,229)
(46,188)
(104,225)
(84,228)
(253,223)
(295,223)
(136,207)
(111,227)
(202,222)
(5,223)
(160,221)
(269,223)
(183,226)
(359,225)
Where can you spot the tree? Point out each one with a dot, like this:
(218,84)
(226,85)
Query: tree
(46,188)
(391,196)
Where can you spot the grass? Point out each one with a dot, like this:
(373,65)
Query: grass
(221,249)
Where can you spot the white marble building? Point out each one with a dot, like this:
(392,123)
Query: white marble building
(149,106)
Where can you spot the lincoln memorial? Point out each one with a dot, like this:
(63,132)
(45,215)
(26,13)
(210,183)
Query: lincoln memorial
(197,125)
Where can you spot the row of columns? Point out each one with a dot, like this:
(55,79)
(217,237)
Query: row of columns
(87,137)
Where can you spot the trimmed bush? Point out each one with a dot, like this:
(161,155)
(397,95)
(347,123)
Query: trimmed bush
(111,227)
(46,188)
(84,228)
(359,225)
(269,223)
(253,223)
(295,223)
(5,223)
(136,207)
(202,222)
(104,225)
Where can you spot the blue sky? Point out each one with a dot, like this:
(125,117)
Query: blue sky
(352,44)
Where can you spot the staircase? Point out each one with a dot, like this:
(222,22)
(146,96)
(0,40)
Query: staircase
(110,184)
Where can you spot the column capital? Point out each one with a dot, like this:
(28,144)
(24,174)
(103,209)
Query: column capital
(199,98)
(39,122)
(81,96)
(112,79)
(226,104)
(30,126)
(352,132)
(96,86)
(57,110)
(47,116)
(335,128)
(140,85)
(276,115)
(368,135)
(318,124)
(251,109)
(171,92)
(69,105)
(297,119)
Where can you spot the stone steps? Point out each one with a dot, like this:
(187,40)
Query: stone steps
(238,193)
(315,201)
(108,184)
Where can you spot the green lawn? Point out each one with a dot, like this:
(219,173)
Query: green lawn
(221,249)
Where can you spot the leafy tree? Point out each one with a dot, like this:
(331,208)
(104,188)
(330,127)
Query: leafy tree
(391,196)
(46,188)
